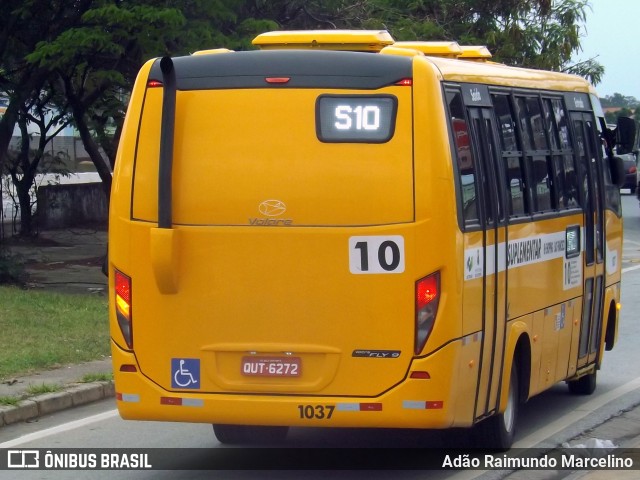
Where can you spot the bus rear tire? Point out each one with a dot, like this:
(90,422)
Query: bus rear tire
(498,431)
(249,434)
(585,385)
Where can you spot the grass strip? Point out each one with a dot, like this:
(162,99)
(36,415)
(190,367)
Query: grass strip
(43,388)
(43,330)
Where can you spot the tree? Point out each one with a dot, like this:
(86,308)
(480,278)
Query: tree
(29,159)
(619,100)
(97,59)
(25,23)
(537,34)
(589,69)
(303,14)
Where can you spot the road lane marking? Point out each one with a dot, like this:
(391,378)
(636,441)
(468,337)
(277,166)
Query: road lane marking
(65,427)
(630,269)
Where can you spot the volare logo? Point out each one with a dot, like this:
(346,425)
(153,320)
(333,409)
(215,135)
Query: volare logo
(272,208)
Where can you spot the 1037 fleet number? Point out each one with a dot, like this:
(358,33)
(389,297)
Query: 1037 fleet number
(318,412)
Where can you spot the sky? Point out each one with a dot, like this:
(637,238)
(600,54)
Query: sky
(611,36)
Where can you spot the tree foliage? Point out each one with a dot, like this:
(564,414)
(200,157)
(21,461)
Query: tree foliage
(541,34)
(95,62)
(33,156)
(25,24)
(93,49)
(619,100)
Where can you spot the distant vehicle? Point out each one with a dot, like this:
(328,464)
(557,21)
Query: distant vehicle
(630,172)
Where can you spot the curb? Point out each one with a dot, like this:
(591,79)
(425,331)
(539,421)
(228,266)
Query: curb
(73,395)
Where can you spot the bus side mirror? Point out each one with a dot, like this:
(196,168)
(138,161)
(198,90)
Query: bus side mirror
(626,135)
(617,171)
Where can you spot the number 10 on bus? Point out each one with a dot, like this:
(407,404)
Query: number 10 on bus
(376,254)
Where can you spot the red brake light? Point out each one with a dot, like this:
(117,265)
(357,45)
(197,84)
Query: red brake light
(122,285)
(154,83)
(277,79)
(633,169)
(427,299)
(405,82)
(427,291)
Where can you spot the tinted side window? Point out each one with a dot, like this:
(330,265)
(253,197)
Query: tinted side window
(537,155)
(467,176)
(537,124)
(511,156)
(562,157)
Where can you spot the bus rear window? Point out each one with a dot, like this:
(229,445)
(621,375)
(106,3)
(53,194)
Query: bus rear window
(353,119)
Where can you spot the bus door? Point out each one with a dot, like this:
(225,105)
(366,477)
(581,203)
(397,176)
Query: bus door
(590,162)
(483,138)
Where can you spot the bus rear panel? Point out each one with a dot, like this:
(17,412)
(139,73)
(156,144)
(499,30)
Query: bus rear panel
(297,274)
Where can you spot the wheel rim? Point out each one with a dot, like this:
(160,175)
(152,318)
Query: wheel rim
(509,413)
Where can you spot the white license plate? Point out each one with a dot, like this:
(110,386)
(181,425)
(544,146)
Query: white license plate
(265,366)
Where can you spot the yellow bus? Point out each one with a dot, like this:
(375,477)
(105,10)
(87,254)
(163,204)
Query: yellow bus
(338,230)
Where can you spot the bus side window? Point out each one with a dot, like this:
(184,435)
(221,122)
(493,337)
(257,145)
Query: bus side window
(536,152)
(557,161)
(561,153)
(565,155)
(511,156)
(466,165)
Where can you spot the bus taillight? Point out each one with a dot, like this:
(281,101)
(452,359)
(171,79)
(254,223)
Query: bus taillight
(123,305)
(405,82)
(427,298)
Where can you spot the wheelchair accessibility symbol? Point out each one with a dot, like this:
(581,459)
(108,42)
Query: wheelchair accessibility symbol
(185,373)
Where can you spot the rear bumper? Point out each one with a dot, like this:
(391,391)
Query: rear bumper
(413,403)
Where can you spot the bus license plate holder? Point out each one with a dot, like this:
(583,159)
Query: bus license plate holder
(268,366)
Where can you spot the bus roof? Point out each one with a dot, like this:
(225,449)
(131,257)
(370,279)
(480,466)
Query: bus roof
(455,63)
(491,73)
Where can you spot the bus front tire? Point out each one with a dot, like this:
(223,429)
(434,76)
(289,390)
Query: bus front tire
(249,434)
(585,385)
(498,431)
